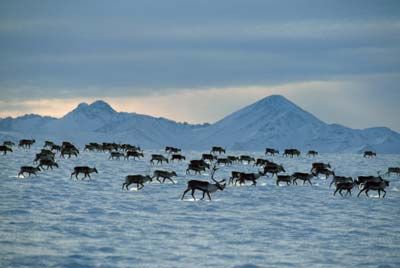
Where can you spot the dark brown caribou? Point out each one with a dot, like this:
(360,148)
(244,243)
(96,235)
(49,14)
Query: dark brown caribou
(48,144)
(56,148)
(138,179)
(395,170)
(134,154)
(44,155)
(291,152)
(235,176)
(8,143)
(116,155)
(273,169)
(69,152)
(233,158)
(348,186)
(26,144)
(83,169)
(369,154)
(361,180)
(324,171)
(166,175)
(5,149)
(312,153)
(197,168)
(271,151)
(200,162)
(224,161)
(253,177)
(159,158)
(171,150)
(205,186)
(302,176)
(340,179)
(48,163)
(217,149)
(319,165)
(28,169)
(261,162)
(376,186)
(246,158)
(178,157)
(283,178)
(208,157)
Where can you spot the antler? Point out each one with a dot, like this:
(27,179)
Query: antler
(214,168)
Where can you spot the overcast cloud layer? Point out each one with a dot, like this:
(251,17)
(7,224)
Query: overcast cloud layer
(128,49)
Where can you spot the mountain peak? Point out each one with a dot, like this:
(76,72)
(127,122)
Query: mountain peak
(97,108)
(100,105)
(275,101)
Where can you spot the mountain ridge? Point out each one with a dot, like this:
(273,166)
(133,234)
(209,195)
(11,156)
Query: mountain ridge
(273,121)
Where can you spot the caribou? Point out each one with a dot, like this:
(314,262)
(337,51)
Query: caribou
(217,149)
(246,158)
(26,144)
(395,170)
(271,151)
(166,175)
(205,186)
(47,162)
(340,179)
(302,176)
(9,143)
(369,154)
(159,158)
(138,179)
(361,180)
(235,176)
(208,157)
(224,161)
(348,186)
(171,150)
(134,154)
(376,186)
(178,157)
(232,158)
(56,148)
(319,165)
(312,153)
(116,155)
(273,168)
(85,170)
(324,171)
(69,151)
(5,149)
(197,168)
(48,144)
(28,169)
(291,152)
(283,178)
(243,177)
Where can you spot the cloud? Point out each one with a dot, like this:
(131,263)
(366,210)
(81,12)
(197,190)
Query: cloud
(357,102)
(232,52)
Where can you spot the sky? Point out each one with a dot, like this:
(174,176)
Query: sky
(198,61)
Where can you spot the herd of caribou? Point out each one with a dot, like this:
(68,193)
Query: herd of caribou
(209,161)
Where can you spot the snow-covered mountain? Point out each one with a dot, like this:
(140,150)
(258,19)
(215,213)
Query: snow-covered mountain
(271,122)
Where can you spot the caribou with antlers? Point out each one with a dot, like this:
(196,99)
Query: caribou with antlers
(205,186)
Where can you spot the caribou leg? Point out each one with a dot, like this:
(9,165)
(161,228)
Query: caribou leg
(187,190)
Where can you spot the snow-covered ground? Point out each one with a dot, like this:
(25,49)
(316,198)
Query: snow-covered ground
(51,220)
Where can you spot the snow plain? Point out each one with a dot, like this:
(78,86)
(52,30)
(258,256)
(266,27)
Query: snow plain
(52,221)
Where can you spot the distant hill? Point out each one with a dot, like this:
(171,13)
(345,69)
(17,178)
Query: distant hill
(270,122)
